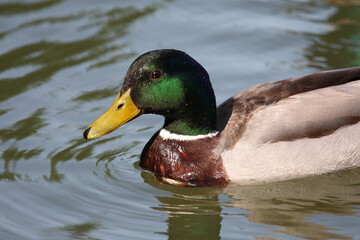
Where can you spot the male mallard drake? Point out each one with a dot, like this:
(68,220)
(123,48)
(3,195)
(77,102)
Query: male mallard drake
(274,131)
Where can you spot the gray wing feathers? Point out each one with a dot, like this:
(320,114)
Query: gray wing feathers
(235,113)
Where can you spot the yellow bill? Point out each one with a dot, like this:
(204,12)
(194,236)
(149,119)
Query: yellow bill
(122,111)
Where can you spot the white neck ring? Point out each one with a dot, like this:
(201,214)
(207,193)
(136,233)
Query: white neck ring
(166,135)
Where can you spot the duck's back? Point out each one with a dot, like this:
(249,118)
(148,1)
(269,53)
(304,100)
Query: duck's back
(292,128)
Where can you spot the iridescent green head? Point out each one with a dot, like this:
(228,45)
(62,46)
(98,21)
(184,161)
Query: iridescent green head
(171,83)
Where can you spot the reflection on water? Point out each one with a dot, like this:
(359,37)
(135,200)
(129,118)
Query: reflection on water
(289,205)
(191,213)
(95,95)
(76,231)
(61,66)
(51,57)
(192,218)
(11,8)
(338,48)
(24,128)
(292,204)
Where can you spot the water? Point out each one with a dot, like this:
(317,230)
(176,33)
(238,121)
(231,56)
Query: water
(61,66)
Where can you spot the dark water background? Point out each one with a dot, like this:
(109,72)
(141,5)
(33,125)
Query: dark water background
(61,66)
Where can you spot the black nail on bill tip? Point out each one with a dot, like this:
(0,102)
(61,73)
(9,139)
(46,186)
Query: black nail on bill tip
(86,132)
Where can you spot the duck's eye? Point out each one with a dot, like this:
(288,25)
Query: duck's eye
(156,74)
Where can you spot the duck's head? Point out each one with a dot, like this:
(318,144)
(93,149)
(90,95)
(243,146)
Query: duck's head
(166,82)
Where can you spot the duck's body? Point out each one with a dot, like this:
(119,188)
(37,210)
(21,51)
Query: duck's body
(274,131)
(303,132)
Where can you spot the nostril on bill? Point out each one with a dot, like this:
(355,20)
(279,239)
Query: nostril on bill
(120,106)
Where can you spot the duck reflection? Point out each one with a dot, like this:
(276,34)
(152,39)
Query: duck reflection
(193,213)
(291,205)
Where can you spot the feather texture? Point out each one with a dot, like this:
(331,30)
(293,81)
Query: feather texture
(293,134)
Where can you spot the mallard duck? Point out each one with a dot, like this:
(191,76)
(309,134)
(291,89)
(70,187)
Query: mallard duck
(275,131)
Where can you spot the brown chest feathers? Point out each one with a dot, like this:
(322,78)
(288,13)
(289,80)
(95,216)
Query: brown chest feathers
(192,163)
